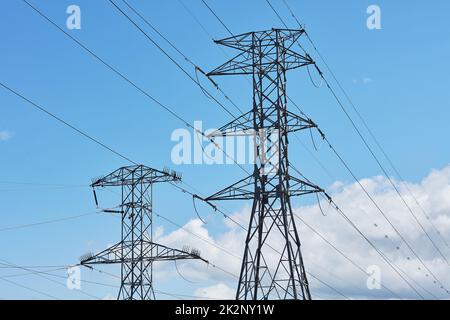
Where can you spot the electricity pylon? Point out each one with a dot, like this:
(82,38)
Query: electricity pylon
(136,252)
(272,266)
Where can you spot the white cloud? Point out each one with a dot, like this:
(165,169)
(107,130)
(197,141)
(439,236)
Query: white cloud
(433,193)
(219,291)
(220,249)
(5,135)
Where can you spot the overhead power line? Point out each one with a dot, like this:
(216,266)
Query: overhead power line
(379,164)
(165,53)
(388,177)
(234,255)
(133,9)
(57,118)
(181,119)
(217,17)
(121,75)
(364,122)
(228,29)
(210,36)
(34,184)
(227,216)
(366,126)
(113,69)
(30,289)
(196,66)
(28,225)
(43,275)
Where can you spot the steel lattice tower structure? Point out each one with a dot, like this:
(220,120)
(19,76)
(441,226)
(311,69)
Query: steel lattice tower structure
(268,273)
(136,252)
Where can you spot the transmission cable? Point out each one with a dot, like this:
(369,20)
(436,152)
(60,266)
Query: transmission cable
(240,225)
(41,275)
(235,255)
(30,289)
(382,168)
(96,56)
(63,121)
(233,35)
(47,221)
(165,52)
(347,96)
(217,17)
(121,75)
(196,67)
(375,140)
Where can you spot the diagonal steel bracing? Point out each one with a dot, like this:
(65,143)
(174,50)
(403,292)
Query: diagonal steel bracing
(267,273)
(136,252)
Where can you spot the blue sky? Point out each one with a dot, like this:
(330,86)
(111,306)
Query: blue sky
(397,76)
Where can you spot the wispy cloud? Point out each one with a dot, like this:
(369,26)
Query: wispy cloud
(364,81)
(367,80)
(5,135)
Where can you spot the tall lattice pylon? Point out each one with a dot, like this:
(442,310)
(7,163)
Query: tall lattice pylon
(136,252)
(272,266)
